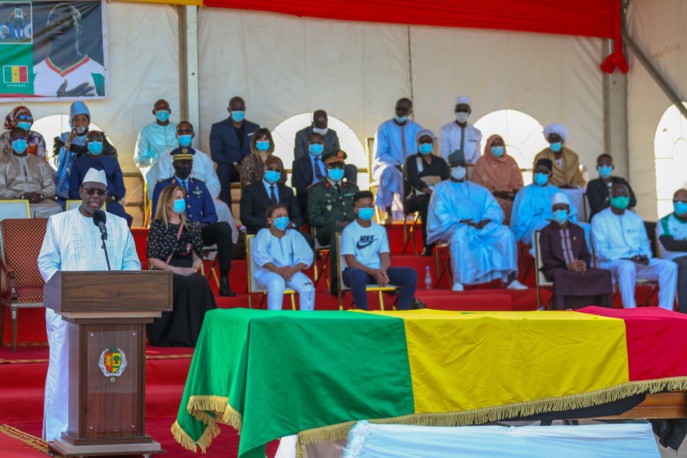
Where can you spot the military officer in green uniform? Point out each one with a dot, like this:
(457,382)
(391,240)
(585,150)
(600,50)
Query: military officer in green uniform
(330,207)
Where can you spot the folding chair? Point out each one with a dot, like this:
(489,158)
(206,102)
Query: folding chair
(253,288)
(444,268)
(409,232)
(208,251)
(372,288)
(321,256)
(540,279)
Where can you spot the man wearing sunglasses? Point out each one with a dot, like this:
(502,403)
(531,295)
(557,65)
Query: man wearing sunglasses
(72,242)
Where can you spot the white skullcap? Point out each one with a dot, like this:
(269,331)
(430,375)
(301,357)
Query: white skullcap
(464,99)
(556,129)
(560,198)
(95,176)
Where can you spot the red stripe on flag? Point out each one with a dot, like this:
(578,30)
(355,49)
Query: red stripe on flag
(23,74)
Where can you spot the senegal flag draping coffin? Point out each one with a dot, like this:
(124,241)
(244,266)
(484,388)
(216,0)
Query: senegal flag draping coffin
(272,374)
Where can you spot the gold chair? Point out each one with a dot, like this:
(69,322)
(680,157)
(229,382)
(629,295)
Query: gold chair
(214,266)
(372,288)
(321,258)
(253,288)
(444,268)
(13,208)
(409,232)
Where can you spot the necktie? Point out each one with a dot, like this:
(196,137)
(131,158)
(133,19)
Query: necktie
(318,170)
(338,189)
(185,183)
(273,196)
(462,140)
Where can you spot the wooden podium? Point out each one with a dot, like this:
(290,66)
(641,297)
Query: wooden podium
(107,312)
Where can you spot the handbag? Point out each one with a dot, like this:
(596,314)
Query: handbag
(178,237)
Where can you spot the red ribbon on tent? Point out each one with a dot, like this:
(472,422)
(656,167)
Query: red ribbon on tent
(593,18)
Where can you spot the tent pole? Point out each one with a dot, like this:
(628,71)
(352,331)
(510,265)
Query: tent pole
(615,116)
(188,65)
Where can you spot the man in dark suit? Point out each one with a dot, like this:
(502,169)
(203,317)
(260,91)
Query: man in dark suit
(229,144)
(309,170)
(318,126)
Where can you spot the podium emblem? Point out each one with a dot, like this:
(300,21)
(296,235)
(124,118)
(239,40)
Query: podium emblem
(112,362)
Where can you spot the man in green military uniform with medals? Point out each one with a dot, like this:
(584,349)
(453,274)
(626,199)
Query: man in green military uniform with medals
(330,207)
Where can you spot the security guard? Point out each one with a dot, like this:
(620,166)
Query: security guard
(330,207)
(201,210)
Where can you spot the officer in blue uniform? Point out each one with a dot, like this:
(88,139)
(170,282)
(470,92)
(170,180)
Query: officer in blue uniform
(201,210)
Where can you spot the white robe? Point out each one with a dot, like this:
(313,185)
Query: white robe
(72,243)
(477,256)
(449,141)
(153,141)
(290,250)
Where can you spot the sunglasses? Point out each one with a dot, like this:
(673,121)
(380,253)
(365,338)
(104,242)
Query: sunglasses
(99,192)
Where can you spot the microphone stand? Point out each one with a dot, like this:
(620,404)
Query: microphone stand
(103,236)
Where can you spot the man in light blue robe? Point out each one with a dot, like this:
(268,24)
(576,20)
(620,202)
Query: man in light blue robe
(532,206)
(394,142)
(154,140)
(469,218)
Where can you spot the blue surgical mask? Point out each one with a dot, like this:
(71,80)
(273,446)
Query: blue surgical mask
(541,178)
(179,206)
(425,148)
(95,147)
(458,172)
(262,145)
(162,115)
(498,151)
(335,174)
(281,223)
(605,170)
(366,213)
(401,119)
(316,149)
(555,147)
(185,140)
(24,125)
(272,176)
(560,216)
(620,202)
(680,208)
(238,116)
(19,145)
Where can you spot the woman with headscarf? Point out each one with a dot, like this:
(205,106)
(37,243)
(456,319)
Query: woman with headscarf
(498,172)
(253,166)
(21,117)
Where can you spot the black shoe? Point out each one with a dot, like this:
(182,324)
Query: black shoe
(225,289)
(427,251)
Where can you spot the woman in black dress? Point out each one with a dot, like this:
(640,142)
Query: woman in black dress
(176,245)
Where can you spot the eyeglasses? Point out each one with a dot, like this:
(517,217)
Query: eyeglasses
(24,117)
(91,191)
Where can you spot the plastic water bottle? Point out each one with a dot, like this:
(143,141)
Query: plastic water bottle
(428,278)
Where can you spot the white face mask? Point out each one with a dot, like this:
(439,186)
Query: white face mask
(462,116)
(317,130)
(458,173)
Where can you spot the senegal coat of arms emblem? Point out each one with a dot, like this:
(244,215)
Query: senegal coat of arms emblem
(112,362)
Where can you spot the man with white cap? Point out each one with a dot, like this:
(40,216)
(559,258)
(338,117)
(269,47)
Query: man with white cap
(458,135)
(422,171)
(622,246)
(566,262)
(394,142)
(469,218)
(566,163)
(73,243)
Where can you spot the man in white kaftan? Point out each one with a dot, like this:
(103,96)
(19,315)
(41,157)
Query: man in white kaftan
(622,247)
(458,135)
(203,170)
(72,243)
(469,218)
(153,141)
(394,142)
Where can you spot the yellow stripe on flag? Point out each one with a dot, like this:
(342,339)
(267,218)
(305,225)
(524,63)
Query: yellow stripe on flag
(472,360)
(15,75)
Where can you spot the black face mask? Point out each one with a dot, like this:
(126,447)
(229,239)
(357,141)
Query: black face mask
(183,172)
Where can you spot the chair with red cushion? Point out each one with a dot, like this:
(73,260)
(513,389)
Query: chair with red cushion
(21,284)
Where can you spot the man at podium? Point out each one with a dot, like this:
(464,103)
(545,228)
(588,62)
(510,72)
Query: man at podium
(73,243)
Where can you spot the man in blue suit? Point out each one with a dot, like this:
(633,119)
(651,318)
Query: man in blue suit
(200,210)
(229,144)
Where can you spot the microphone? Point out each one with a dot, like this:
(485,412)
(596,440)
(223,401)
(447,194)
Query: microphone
(99,219)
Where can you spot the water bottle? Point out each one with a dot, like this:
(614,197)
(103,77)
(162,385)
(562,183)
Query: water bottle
(428,278)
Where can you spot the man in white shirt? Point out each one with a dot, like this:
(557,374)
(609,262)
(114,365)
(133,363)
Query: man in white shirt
(622,247)
(72,242)
(458,135)
(672,237)
(203,170)
(365,247)
(153,141)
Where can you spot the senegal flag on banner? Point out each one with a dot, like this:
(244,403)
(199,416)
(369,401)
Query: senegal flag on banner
(272,374)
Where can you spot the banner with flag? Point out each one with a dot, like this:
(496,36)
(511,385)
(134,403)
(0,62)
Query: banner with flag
(273,374)
(52,50)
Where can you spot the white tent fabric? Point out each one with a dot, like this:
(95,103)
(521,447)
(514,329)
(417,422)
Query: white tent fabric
(367,440)
(658,27)
(283,65)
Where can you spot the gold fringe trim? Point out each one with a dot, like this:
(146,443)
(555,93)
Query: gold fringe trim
(496,413)
(32,441)
(201,408)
